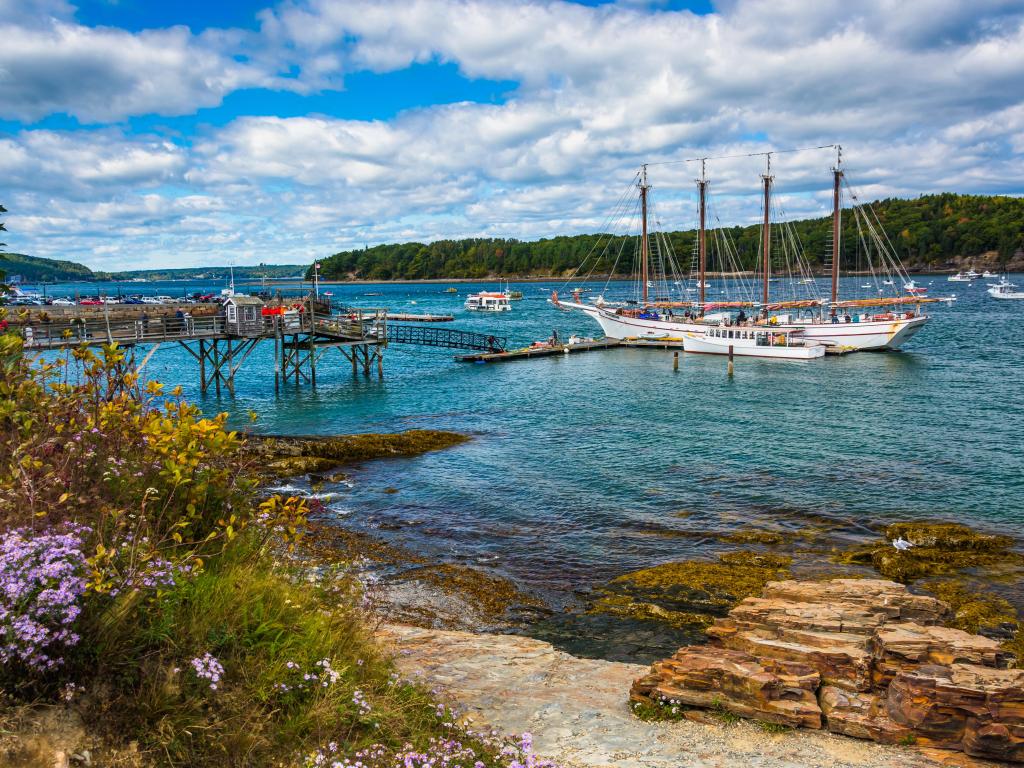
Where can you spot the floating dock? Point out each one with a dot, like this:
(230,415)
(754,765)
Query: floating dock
(549,351)
(408,318)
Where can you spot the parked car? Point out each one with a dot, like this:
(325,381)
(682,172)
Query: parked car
(90,303)
(151,300)
(132,300)
(164,299)
(62,302)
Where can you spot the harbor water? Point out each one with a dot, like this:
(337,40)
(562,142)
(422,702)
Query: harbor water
(583,467)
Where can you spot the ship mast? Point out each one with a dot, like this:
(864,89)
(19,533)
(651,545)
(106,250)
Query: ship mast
(766,232)
(643,238)
(837,174)
(702,184)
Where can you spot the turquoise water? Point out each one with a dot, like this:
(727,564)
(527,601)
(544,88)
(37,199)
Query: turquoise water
(580,464)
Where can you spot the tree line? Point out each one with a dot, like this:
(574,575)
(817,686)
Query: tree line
(932,231)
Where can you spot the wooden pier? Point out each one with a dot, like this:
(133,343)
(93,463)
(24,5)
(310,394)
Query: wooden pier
(531,352)
(220,343)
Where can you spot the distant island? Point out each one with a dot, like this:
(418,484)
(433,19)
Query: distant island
(933,232)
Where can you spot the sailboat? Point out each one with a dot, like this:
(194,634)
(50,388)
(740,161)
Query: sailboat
(876,323)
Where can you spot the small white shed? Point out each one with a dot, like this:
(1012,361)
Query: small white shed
(243,315)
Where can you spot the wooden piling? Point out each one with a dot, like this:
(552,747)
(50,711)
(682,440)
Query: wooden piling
(675,361)
(202,366)
(730,361)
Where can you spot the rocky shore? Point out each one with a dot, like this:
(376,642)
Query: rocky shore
(579,716)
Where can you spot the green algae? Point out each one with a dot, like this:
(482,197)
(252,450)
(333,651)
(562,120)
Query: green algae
(975,609)
(691,593)
(947,536)
(289,466)
(753,536)
(937,549)
(493,596)
(300,454)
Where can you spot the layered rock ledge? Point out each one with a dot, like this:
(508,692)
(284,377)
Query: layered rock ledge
(578,714)
(859,657)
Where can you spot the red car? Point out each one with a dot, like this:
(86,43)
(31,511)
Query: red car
(90,303)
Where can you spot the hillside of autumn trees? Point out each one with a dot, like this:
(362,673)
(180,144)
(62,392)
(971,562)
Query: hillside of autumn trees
(930,232)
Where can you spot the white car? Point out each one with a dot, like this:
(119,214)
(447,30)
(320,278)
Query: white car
(151,300)
(62,303)
(164,299)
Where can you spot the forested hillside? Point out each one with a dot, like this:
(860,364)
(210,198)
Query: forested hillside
(36,269)
(933,231)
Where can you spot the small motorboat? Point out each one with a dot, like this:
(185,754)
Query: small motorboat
(1004,289)
(752,341)
(987,274)
(960,277)
(488,301)
(915,289)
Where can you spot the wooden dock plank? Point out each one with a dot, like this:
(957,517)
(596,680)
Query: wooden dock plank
(531,352)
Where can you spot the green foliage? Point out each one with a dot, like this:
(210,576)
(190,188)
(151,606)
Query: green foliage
(267,632)
(269,271)
(929,230)
(38,269)
(195,644)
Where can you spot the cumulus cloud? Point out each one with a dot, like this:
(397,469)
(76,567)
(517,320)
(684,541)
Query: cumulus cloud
(925,95)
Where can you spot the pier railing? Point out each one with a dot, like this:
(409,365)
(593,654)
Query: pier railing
(94,331)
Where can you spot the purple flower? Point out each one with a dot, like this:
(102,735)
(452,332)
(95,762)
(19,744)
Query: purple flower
(207,667)
(41,586)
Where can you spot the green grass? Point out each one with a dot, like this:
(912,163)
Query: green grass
(255,621)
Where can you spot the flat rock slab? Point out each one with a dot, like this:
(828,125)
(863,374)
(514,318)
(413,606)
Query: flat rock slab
(578,713)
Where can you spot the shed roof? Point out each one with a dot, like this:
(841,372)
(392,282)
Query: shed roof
(239,301)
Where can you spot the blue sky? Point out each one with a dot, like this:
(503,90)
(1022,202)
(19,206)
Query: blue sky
(135,133)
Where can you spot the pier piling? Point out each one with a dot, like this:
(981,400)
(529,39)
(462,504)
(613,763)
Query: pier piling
(675,361)
(730,361)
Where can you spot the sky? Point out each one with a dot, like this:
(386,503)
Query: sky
(136,134)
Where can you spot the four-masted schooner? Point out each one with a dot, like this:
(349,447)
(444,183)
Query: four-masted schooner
(875,322)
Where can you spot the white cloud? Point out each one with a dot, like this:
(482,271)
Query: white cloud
(925,95)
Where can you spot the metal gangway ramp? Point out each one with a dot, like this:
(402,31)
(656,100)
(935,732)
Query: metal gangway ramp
(450,338)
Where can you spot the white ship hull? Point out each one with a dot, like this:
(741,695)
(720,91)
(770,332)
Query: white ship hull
(863,336)
(701,344)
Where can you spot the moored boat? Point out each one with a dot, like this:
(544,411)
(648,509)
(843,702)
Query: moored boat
(488,301)
(874,323)
(961,277)
(752,342)
(1004,289)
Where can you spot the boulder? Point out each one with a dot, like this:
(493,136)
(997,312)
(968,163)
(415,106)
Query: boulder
(899,647)
(893,600)
(798,632)
(865,657)
(861,715)
(736,682)
(962,706)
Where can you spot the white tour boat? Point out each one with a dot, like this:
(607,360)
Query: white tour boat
(1004,289)
(489,301)
(876,323)
(755,341)
(961,277)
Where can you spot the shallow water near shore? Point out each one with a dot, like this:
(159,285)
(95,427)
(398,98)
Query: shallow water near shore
(589,466)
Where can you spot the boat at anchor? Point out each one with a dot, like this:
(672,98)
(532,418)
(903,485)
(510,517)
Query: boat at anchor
(752,342)
(876,322)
